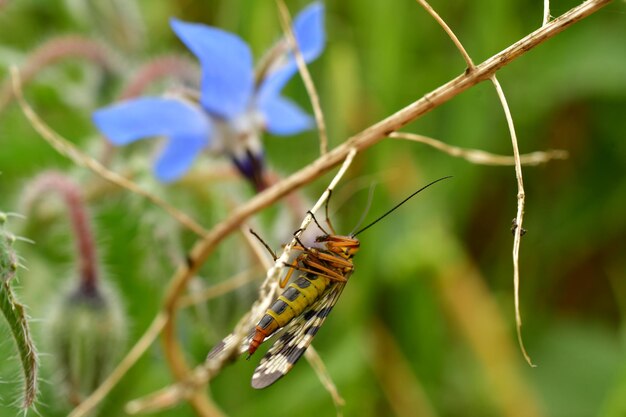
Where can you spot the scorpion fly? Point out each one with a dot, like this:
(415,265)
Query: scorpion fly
(306,302)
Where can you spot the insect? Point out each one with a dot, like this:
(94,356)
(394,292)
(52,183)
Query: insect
(305,304)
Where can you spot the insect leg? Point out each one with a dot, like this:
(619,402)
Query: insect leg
(322,271)
(292,267)
(316,222)
(340,262)
(332,229)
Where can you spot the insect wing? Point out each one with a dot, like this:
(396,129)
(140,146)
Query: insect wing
(298,335)
(225,345)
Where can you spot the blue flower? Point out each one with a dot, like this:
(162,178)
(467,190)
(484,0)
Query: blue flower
(233,107)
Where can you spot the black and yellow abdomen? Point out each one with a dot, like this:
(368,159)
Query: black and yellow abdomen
(299,295)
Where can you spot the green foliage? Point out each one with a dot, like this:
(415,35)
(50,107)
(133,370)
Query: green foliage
(414,270)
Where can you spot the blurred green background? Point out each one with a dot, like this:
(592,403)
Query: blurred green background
(426,325)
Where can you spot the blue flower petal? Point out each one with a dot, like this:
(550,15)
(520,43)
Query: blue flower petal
(283,117)
(309,31)
(131,120)
(274,83)
(187,127)
(177,157)
(227,69)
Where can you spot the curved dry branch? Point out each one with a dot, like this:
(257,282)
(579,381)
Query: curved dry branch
(480,157)
(518,170)
(519,218)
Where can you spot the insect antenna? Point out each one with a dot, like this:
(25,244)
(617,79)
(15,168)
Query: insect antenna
(398,205)
(265,244)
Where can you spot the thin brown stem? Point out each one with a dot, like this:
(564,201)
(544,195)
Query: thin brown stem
(546,11)
(285,21)
(519,218)
(478,156)
(518,174)
(446,28)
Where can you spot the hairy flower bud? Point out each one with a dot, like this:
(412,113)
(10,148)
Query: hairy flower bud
(86,334)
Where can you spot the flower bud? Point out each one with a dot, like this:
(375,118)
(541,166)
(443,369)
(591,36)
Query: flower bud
(87,332)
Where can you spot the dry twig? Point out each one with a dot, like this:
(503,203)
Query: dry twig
(518,174)
(481,157)
(518,219)
(446,28)
(285,21)
(546,11)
